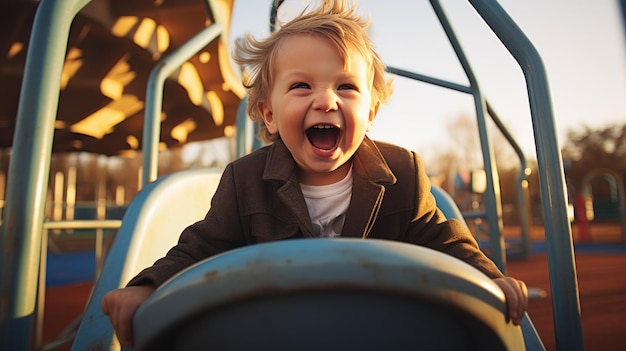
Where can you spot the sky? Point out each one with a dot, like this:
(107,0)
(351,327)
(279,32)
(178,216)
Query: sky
(581,43)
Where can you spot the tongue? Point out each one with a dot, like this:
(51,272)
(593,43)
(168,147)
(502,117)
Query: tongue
(324,139)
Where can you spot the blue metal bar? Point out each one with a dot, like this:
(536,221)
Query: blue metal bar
(247,131)
(430,80)
(492,193)
(563,281)
(531,337)
(522,182)
(29,170)
(154,97)
(242,146)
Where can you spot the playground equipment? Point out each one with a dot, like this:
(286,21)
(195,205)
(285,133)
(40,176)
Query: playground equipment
(617,195)
(23,221)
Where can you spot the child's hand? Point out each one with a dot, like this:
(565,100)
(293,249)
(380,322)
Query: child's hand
(120,305)
(516,295)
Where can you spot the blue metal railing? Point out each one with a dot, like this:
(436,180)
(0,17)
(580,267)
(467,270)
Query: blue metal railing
(154,97)
(23,222)
(492,192)
(29,168)
(521,187)
(564,285)
(560,250)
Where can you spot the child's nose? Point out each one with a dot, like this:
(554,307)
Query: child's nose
(325,100)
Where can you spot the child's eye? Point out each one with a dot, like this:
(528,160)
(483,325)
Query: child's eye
(347,87)
(299,85)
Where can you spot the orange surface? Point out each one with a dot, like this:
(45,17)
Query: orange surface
(602,290)
(601,282)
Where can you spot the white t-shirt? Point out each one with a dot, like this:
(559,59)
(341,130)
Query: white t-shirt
(327,206)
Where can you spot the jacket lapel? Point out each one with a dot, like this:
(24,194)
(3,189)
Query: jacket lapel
(281,167)
(370,173)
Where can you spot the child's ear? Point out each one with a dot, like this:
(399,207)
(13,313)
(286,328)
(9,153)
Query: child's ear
(268,118)
(372,116)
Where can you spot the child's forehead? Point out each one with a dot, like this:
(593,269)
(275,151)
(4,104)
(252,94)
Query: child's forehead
(304,40)
(346,51)
(283,62)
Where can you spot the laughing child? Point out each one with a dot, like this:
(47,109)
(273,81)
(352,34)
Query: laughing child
(315,87)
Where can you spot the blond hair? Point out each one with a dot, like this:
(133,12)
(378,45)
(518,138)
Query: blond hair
(334,20)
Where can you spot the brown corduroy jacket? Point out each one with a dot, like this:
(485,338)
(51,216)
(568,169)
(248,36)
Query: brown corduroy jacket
(259,200)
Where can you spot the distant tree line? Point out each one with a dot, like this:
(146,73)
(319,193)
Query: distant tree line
(590,149)
(584,150)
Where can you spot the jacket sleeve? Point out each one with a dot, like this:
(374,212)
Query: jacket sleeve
(430,228)
(219,231)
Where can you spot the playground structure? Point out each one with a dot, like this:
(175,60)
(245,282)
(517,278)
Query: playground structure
(585,201)
(24,222)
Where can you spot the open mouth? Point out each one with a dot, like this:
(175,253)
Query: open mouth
(323,136)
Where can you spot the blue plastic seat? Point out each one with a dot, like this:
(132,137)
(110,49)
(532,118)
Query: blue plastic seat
(311,294)
(446,204)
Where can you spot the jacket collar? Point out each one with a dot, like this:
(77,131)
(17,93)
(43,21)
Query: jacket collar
(368,163)
(370,173)
(279,164)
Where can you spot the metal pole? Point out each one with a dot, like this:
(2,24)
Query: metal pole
(492,193)
(154,97)
(21,232)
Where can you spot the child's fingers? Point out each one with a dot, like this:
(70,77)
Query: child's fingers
(123,327)
(516,295)
(518,300)
(120,305)
(523,301)
(112,307)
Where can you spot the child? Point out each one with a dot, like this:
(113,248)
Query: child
(315,87)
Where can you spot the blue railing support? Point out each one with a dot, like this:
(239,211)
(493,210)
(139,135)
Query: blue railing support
(521,185)
(492,192)
(29,170)
(247,131)
(563,281)
(430,80)
(154,97)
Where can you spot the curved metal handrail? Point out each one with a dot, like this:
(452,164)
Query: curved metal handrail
(29,168)
(521,184)
(563,281)
(154,97)
(492,192)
